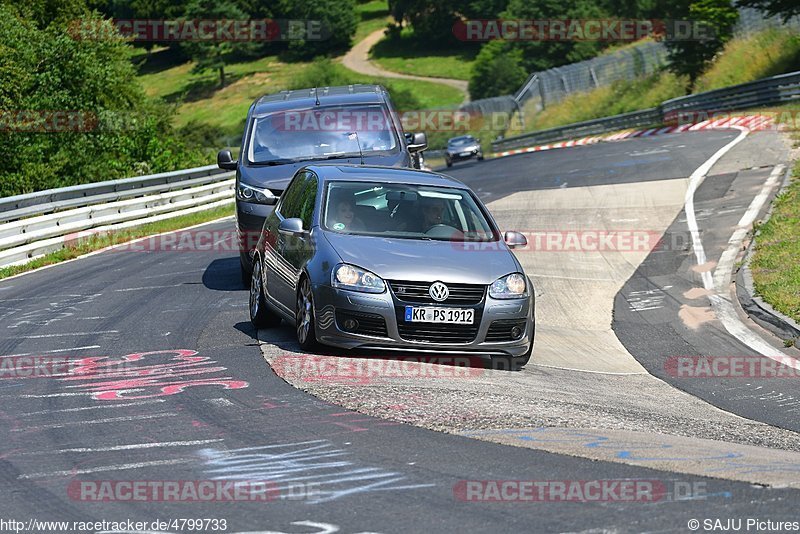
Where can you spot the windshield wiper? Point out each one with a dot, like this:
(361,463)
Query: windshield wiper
(273,162)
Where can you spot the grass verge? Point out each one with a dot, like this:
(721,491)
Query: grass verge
(620,97)
(406,54)
(752,57)
(101,241)
(372,16)
(776,261)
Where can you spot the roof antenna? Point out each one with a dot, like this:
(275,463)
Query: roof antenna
(316,97)
(354,135)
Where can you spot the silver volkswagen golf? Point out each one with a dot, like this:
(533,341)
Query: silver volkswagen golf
(393,259)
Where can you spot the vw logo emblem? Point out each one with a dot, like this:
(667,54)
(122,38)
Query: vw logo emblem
(438,291)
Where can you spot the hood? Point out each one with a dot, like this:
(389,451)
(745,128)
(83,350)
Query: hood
(277,177)
(411,259)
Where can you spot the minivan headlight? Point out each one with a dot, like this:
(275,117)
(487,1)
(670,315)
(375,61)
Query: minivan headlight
(346,276)
(248,193)
(512,286)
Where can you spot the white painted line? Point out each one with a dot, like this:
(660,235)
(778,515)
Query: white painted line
(98,421)
(133,447)
(720,299)
(100,407)
(145,288)
(52,351)
(53,395)
(105,468)
(39,336)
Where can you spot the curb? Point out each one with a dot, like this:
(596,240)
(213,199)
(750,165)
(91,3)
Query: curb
(756,308)
(751,122)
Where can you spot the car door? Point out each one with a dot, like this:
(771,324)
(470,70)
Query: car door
(290,253)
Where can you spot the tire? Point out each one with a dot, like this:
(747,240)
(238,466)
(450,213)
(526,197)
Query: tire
(480,158)
(260,314)
(305,323)
(449,164)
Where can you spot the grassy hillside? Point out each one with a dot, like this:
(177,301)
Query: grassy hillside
(405,54)
(220,112)
(743,60)
(759,55)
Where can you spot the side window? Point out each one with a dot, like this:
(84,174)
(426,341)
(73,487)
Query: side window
(307,199)
(298,199)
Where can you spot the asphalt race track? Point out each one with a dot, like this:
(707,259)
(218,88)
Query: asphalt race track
(191,395)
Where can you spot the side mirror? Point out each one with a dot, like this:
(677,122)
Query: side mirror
(515,239)
(225,161)
(418,143)
(292,227)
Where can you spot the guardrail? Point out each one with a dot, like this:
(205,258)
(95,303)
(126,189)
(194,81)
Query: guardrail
(38,223)
(765,92)
(634,119)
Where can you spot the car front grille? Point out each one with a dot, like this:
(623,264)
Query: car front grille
(435,332)
(369,324)
(501,330)
(417,293)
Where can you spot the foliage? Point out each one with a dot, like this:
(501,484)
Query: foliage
(111,129)
(496,71)
(212,54)
(692,57)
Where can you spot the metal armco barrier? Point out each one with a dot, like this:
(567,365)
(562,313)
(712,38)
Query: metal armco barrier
(771,91)
(38,223)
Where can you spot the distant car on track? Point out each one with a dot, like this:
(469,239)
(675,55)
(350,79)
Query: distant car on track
(386,258)
(462,148)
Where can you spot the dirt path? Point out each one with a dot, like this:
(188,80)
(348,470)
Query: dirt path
(357,59)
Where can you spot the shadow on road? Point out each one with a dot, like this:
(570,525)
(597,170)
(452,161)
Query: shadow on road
(223,275)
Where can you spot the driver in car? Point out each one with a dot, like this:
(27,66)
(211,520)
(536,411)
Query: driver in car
(432,212)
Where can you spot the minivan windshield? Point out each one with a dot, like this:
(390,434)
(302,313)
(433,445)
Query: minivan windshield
(324,132)
(405,211)
(459,141)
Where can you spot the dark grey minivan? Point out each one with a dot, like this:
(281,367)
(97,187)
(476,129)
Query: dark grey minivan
(354,124)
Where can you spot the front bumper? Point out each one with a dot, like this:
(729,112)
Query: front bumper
(335,305)
(456,156)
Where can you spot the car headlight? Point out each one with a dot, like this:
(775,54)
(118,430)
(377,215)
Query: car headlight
(350,277)
(512,286)
(248,193)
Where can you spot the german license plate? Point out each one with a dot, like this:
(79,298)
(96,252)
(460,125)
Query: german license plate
(418,314)
(464,154)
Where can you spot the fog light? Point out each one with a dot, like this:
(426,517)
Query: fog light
(516,332)
(350,324)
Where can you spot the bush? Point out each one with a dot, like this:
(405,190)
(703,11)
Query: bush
(119,132)
(497,71)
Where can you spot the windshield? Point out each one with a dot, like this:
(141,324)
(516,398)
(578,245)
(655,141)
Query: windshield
(321,133)
(458,141)
(405,211)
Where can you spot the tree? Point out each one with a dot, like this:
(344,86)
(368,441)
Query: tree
(496,71)
(785,9)
(713,21)
(212,54)
(338,18)
(109,129)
